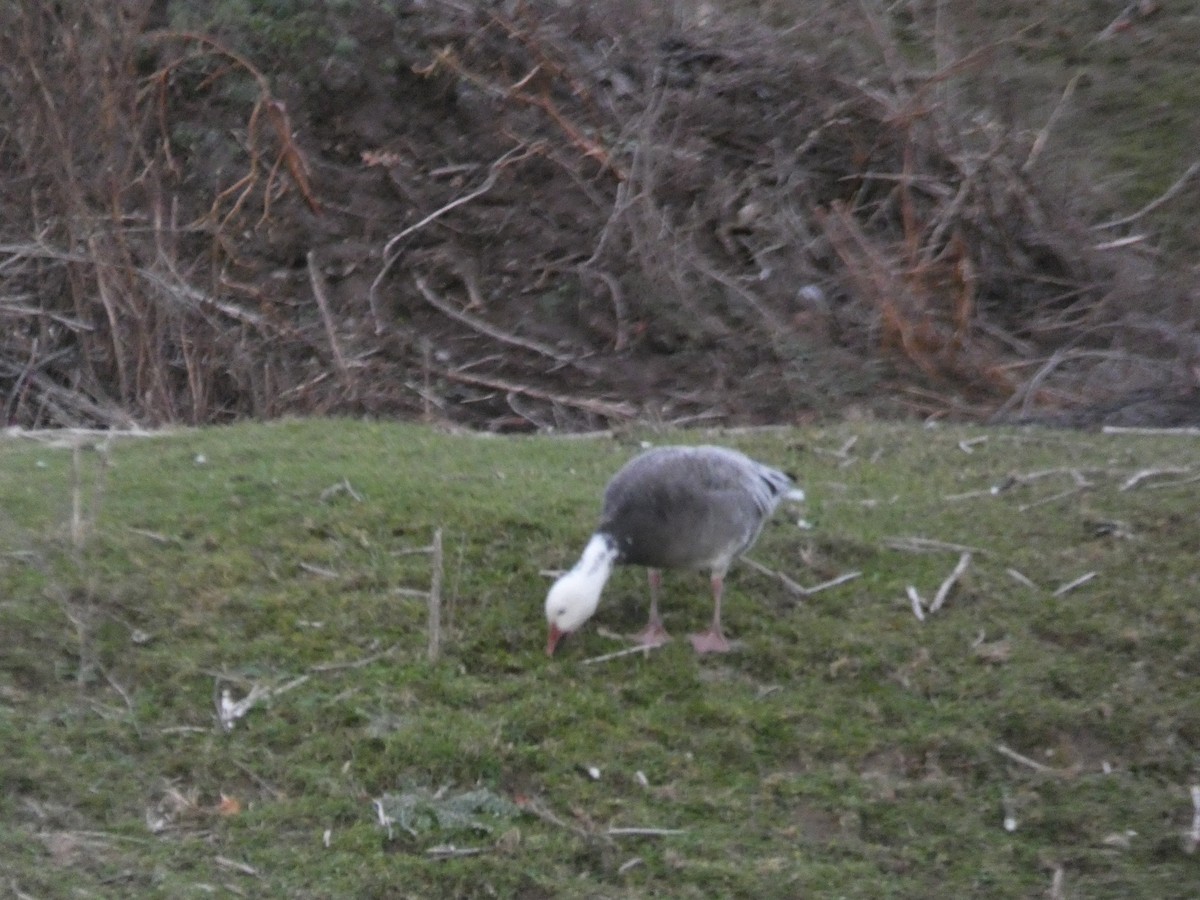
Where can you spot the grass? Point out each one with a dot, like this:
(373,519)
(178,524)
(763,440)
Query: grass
(845,749)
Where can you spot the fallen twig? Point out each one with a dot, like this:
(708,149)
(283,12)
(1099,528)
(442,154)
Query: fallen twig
(970,495)
(1044,769)
(1164,197)
(927,545)
(153,536)
(1071,585)
(1056,884)
(918,605)
(259,780)
(627,651)
(484,328)
(342,487)
(226,863)
(1190,431)
(1138,477)
(1192,838)
(72,437)
(944,591)
(229,710)
(1025,507)
(435,598)
(449,851)
(536,809)
(843,452)
(644,832)
(794,586)
(409,592)
(119,688)
(1019,577)
(317,570)
(920,608)
(355,663)
(1039,143)
(604,408)
(833,582)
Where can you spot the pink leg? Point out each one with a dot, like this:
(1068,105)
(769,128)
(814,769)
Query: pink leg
(713,640)
(653,635)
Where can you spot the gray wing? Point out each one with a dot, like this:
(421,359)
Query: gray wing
(689,507)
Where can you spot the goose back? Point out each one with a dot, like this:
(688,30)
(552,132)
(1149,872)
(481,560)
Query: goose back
(689,507)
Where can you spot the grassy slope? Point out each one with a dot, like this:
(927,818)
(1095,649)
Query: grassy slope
(846,750)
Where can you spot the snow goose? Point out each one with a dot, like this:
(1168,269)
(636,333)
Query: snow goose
(671,508)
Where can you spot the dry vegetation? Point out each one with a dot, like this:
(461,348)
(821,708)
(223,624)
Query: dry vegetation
(522,217)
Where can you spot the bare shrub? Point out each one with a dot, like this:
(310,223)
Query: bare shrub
(112,278)
(528,215)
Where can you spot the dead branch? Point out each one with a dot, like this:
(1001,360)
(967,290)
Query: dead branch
(1020,578)
(1192,838)
(927,545)
(795,587)
(1138,477)
(229,710)
(917,602)
(644,649)
(1056,883)
(450,851)
(1071,585)
(1053,498)
(435,598)
(356,663)
(484,328)
(234,865)
(1121,429)
(390,256)
(536,808)
(944,590)
(644,832)
(833,582)
(1043,135)
(317,280)
(1041,768)
(607,409)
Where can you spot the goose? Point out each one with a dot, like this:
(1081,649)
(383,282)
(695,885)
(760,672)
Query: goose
(671,508)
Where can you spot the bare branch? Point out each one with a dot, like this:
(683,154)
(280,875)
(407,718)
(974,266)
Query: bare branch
(603,408)
(317,280)
(1138,477)
(1016,757)
(1039,142)
(1071,585)
(435,599)
(484,328)
(390,257)
(944,591)
(644,649)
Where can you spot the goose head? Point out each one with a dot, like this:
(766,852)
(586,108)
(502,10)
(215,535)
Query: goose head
(571,602)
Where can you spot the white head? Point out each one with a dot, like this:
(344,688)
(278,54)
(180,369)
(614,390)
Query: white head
(574,597)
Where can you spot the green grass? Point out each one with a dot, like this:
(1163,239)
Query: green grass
(845,750)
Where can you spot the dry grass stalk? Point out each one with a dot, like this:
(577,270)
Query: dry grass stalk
(435,598)
(317,280)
